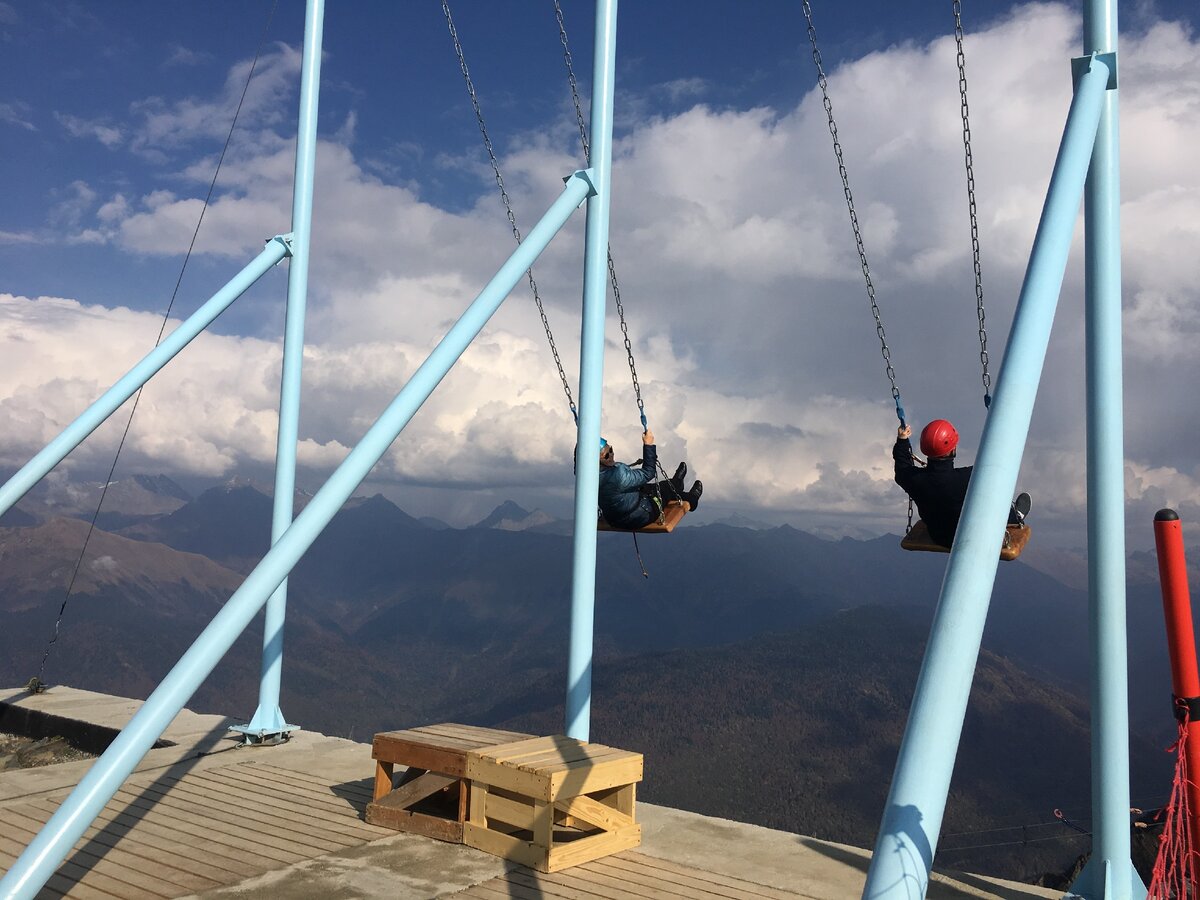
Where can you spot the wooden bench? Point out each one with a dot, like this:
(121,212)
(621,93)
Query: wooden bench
(431,796)
(552,802)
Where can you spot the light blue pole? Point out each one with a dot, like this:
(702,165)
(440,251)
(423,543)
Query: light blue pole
(1109,873)
(268,724)
(67,825)
(913,818)
(591,378)
(110,401)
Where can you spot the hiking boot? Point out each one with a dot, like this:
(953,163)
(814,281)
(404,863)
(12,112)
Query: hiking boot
(677,479)
(1021,507)
(693,496)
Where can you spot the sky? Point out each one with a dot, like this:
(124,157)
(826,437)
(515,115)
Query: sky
(754,341)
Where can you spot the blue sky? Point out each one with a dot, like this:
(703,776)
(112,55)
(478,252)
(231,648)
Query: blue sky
(755,342)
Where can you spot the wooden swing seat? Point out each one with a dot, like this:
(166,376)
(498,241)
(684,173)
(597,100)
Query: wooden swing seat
(1015,539)
(673,512)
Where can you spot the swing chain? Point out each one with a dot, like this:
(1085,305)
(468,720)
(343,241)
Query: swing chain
(512,219)
(587,155)
(858,240)
(969,161)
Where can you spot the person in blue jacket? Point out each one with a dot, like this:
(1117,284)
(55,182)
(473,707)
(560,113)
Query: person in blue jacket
(629,497)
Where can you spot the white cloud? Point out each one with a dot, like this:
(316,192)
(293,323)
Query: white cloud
(106,133)
(16,114)
(758,355)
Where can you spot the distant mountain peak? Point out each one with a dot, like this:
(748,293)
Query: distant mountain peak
(510,516)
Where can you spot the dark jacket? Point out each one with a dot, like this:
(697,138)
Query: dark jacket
(939,490)
(620,496)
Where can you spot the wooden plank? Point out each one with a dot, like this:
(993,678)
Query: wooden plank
(502,845)
(686,874)
(589,848)
(226,802)
(525,883)
(602,756)
(543,824)
(147,873)
(406,820)
(498,888)
(599,882)
(484,736)
(383,778)
(223,861)
(568,756)
(597,814)
(433,759)
(282,849)
(157,855)
(258,801)
(350,798)
(515,749)
(478,806)
(572,782)
(416,790)
(332,814)
(226,840)
(526,784)
(641,883)
(68,878)
(105,875)
(504,810)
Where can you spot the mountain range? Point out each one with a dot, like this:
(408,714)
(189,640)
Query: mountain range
(766,673)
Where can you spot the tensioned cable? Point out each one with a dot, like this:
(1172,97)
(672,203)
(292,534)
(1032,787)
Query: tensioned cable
(161,331)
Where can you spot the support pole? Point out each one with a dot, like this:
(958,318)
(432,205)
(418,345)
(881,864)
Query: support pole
(1181,646)
(591,379)
(268,725)
(1109,874)
(110,401)
(97,787)
(912,820)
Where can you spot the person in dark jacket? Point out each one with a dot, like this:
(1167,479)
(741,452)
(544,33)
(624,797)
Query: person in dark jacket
(629,497)
(939,489)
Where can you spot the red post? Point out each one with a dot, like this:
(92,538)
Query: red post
(1181,644)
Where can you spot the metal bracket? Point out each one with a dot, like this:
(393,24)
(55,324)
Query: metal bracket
(1081,65)
(588,176)
(286,240)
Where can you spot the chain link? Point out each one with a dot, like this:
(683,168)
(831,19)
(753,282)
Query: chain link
(969,161)
(858,240)
(587,155)
(512,219)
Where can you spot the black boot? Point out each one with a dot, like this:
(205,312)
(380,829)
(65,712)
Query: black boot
(677,479)
(693,496)
(1021,507)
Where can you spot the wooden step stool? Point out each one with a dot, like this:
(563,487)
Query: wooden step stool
(431,797)
(552,802)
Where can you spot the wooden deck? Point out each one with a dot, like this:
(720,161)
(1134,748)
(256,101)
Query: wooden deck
(169,835)
(626,876)
(204,819)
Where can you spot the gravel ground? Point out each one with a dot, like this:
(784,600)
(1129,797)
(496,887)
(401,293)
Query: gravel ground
(27,753)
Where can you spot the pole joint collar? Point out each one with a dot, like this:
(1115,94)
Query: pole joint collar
(1081,65)
(587,175)
(288,243)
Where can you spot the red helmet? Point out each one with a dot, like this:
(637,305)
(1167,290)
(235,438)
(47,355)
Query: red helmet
(938,439)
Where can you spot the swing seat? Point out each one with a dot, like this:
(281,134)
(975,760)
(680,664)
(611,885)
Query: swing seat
(673,512)
(1015,539)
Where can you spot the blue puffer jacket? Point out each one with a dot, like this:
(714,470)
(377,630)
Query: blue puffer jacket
(620,496)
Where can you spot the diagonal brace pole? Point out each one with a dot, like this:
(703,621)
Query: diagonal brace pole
(110,401)
(52,844)
(912,819)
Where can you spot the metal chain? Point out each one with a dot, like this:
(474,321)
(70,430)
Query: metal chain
(969,160)
(858,240)
(587,155)
(512,219)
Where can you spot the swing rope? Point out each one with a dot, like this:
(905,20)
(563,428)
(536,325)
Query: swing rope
(587,155)
(969,163)
(858,239)
(512,218)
